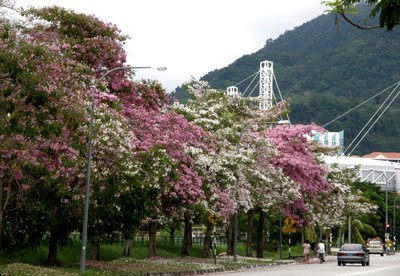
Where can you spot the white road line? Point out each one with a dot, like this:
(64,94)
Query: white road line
(368,271)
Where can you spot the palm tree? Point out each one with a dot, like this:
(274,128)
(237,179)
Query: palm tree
(360,227)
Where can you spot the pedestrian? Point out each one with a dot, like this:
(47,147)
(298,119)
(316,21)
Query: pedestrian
(306,251)
(321,251)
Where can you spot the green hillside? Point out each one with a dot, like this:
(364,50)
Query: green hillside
(325,69)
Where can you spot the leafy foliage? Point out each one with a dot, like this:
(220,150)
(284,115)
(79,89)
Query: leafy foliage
(374,194)
(387,11)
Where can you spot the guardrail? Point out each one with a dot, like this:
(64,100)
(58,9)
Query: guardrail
(142,239)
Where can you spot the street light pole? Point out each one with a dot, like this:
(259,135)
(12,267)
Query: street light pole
(386,211)
(386,203)
(386,206)
(394,222)
(89,161)
(235,216)
(280,236)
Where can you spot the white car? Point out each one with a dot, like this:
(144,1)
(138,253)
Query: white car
(375,246)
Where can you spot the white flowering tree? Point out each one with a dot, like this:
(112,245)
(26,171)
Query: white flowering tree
(334,205)
(356,204)
(328,208)
(234,172)
(271,190)
(114,170)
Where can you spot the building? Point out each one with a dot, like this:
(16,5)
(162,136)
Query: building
(384,156)
(385,174)
(330,139)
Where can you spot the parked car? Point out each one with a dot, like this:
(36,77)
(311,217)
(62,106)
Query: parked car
(353,253)
(375,246)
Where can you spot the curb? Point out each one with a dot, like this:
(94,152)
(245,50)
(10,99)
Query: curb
(204,271)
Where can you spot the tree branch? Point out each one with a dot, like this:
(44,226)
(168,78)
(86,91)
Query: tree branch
(357,25)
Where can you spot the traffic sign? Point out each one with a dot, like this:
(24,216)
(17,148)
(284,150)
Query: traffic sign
(213,218)
(287,230)
(289,222)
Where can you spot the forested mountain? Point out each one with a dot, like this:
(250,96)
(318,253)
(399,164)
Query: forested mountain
(324,70)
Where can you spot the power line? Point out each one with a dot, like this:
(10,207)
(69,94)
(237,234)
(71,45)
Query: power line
(246,78)
(370,119)
(277,86)
(255,86)
(243,94)
(347,112)
(378,117)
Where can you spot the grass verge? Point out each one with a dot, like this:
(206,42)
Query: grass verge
(31,262)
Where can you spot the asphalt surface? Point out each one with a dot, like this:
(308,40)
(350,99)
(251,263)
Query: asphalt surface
(386,265)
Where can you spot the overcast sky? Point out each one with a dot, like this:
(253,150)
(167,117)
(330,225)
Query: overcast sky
(193,37)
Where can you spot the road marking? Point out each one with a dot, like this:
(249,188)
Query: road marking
(369,271)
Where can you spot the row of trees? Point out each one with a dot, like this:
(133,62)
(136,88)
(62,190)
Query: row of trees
(153,163)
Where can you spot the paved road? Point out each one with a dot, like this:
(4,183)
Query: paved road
(387,266)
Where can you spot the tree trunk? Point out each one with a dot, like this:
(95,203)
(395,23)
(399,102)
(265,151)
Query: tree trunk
(187,235)
(260,235)
(328,240)
(128,244)
(229,237)
(250,229)
(172,236)
(207,241)
(318,232)
(1,209)
(152,238)
(339,240)
(127,248)
(95,254)
(3,204)
(52,255)
(190,235)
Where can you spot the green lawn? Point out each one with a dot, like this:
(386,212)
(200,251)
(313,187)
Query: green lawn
(32,262)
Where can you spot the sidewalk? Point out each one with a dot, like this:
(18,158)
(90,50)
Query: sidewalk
(328,258)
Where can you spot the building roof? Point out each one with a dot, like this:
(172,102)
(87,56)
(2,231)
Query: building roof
(383,155)
(349,161)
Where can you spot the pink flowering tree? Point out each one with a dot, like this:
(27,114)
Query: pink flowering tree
(152,125)
(42,126)
(298,161)
(156,126)
(98,47)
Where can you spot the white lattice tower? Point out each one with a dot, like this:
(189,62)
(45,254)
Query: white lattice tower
(232,91)
(266,84)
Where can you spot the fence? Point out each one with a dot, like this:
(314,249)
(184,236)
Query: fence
(143,239)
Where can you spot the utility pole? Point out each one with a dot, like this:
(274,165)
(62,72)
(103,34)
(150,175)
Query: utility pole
(349,234)
(394,222)
(280,236)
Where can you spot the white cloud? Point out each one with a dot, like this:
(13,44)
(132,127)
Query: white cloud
(193,37)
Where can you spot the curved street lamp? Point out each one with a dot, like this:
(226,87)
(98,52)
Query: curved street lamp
(89,160)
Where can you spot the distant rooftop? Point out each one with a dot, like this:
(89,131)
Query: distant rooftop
(383,155)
